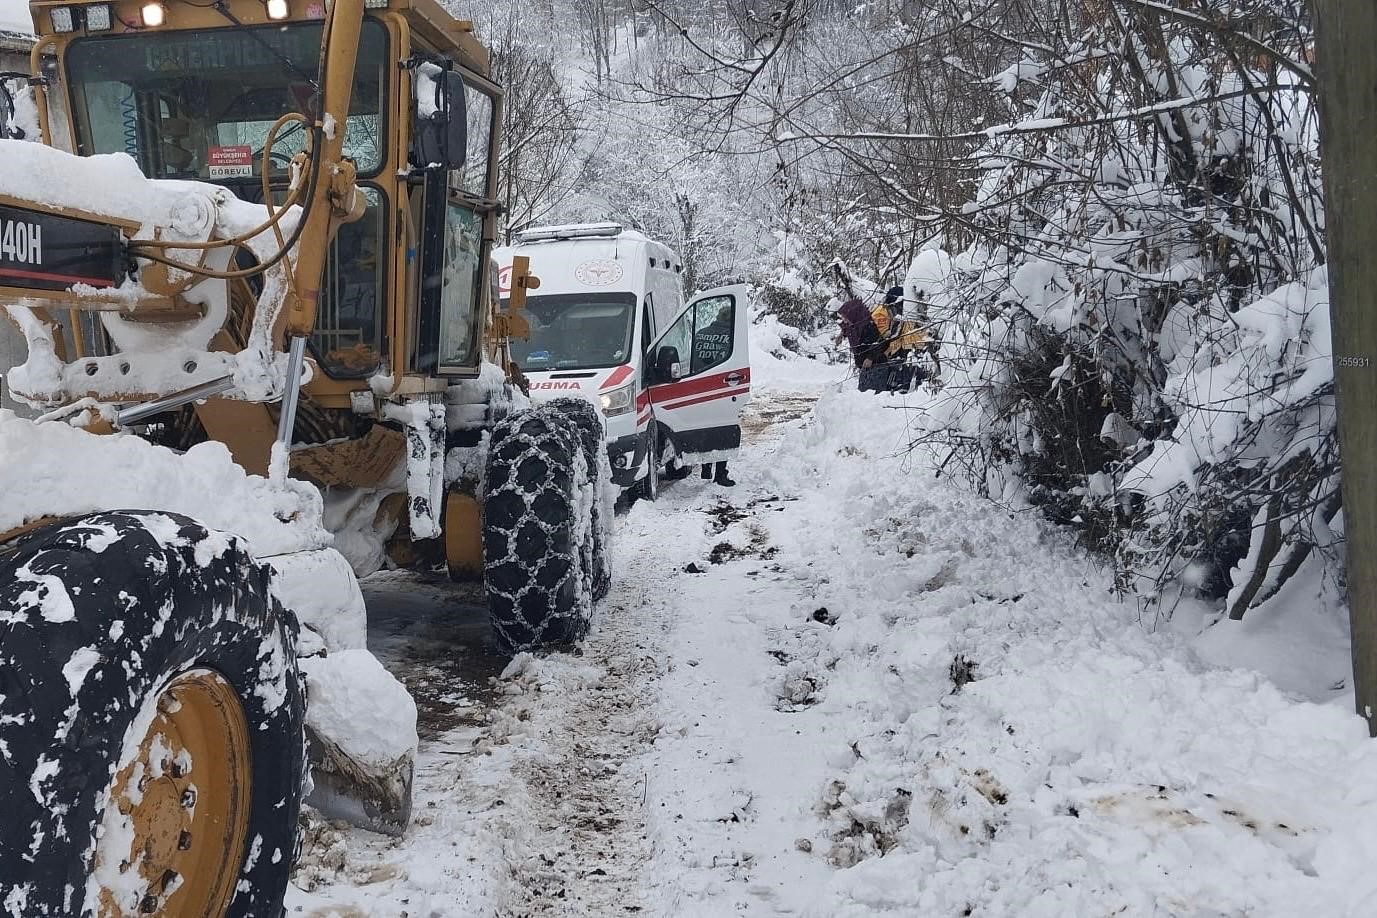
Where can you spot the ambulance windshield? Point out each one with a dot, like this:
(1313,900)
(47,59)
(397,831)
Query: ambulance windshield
(577,331)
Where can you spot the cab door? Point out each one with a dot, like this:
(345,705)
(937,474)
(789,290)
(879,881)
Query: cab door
(698,376)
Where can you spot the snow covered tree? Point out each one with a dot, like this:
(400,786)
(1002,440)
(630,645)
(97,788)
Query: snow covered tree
(1144,308)
(1134,317)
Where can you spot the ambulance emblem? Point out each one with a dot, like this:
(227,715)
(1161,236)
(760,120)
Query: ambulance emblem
(598,273)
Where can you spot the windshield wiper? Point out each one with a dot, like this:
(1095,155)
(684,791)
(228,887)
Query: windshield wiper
(286,62)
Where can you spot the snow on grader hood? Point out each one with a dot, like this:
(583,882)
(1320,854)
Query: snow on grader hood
(52,202)
(243,408)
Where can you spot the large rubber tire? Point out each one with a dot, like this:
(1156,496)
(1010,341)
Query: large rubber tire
(137,597)
(648,488)
(536,523)
(597,560)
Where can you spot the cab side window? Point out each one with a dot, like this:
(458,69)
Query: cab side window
(702,338)
(714,323)
(647,323)
(669,298)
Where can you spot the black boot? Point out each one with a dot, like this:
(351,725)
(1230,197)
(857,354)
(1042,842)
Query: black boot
(722,478)
(707,471)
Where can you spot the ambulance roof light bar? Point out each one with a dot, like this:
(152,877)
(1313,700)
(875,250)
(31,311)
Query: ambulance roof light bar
(570,231)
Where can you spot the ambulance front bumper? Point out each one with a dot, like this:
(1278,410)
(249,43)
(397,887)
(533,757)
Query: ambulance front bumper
(627,455)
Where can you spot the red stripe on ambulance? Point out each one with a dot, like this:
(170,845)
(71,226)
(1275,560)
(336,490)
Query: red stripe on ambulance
(669,391)
(698,400)
(616,377)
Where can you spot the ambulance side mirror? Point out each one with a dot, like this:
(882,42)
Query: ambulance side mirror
(667,366)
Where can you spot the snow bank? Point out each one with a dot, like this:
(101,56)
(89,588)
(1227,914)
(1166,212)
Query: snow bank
(1299,638)
(783,356)
(1020,745)
(360,707)
(51,469)
(922,704)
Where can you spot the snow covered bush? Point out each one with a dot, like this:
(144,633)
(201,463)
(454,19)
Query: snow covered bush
(1138,338)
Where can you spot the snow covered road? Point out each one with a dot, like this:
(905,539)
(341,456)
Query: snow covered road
(848,688)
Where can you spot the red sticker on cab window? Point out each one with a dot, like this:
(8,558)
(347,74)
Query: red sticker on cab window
(230,162)
(231,156)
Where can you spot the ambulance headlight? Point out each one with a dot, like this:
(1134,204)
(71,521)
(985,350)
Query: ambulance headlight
(617,401)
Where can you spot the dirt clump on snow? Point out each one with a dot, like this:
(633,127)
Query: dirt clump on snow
(325,860)
(780,409)
(724,515)
(757,546)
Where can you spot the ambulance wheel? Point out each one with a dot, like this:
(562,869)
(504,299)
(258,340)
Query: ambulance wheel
(648,488)
(592,435)
(151,714)
(539,592)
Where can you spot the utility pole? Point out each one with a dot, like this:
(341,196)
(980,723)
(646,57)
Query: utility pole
(1346,36)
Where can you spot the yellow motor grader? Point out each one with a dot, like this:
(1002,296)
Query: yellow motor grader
(271,233)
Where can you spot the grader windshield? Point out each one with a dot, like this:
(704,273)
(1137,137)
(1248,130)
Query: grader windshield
(198,104)
(402,285)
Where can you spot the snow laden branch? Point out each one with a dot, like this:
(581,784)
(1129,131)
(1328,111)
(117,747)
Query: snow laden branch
(1040,125)
(1232,30)
(1138,333)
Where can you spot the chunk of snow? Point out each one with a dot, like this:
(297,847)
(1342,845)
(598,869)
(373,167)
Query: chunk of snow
(78,666)
(321,589)
(360,707)
(46,470)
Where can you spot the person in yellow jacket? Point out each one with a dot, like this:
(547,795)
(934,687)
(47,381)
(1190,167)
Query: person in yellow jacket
(900,338)
(900,335)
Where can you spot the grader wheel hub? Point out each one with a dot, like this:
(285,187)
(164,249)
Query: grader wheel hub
(186,796)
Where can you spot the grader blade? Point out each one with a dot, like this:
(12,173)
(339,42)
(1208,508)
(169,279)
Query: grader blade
(361,739)
(364,795)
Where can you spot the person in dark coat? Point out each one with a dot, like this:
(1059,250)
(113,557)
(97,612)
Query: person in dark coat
(866,343)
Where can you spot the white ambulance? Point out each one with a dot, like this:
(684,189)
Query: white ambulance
(609,323)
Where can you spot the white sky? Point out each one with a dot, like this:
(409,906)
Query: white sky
(14,15)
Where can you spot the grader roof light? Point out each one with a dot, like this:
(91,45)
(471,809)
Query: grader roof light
(98,17)
(153,15)
(62,19)
(277,9)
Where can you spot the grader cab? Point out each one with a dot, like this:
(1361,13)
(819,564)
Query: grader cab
(272,232)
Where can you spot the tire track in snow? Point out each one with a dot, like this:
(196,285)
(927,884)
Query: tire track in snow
(590,718)
(595,721)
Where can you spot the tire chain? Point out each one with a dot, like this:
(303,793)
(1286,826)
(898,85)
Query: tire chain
(598,554)
(555,584)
